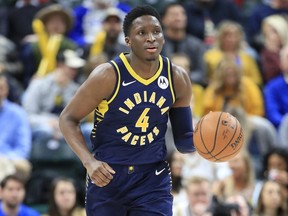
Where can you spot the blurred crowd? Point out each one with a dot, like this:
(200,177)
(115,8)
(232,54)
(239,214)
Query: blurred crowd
(236,54)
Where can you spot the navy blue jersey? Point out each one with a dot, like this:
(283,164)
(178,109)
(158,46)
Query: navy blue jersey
(130,126)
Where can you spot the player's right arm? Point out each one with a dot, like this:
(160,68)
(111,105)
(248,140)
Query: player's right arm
(99,85)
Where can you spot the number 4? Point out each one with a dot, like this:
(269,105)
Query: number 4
(142,122)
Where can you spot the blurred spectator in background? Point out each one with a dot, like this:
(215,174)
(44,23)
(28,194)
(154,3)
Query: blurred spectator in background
(271,201)
(45,97)
(204,15)
(50,25)
(12,196)
(4,10)
(275,93)
(157,4)
(63,199)
(176,162)
(275,167)
(19,21)
(242,180)
(274,31)
(15,133)
(260,136)
(200,198)
(258,14)
(174,21)
(88,20)
(11,66)
(108,39)
(230,88)
(229,44)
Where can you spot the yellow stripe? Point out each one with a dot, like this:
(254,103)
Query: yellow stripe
(136,76)
(170,81)
(118,82)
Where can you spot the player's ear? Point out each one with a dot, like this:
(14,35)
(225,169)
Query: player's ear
(127,41)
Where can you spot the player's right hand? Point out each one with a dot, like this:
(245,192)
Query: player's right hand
(100,173)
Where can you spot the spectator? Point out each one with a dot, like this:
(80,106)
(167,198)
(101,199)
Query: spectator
(63,199)
(232,206)
(229,43)
(19,21)
(107,40)
(276,91)
(12,195)
(242,180)
(274,30)
(276,167)
(230,88)
(45,97)
(271,201)
(258,14)
(176,162)
(50,25)
(204,15)
(174,21)
(200,198)
(15,133)
(260,136)
(11,66)
(88,20)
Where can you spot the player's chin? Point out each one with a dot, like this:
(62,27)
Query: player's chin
(152,57)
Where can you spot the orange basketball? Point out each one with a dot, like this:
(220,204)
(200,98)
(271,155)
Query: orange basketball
(218,136)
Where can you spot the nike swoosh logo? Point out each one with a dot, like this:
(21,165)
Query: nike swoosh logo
(159,172)
(128,83)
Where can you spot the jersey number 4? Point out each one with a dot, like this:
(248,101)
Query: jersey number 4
(142,121)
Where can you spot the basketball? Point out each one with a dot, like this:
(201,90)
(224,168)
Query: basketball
(218,136)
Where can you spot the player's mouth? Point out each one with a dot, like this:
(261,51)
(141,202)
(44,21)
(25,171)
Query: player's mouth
(151,49)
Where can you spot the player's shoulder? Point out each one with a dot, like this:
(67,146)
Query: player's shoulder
(103,71)
(179,73)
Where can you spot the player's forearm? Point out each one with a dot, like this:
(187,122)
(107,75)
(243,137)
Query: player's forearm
(74,138)
(181,122)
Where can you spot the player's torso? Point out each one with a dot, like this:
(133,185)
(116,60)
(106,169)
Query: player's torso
(131,125)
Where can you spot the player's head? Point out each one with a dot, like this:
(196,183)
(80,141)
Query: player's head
(143,32)
(138,12)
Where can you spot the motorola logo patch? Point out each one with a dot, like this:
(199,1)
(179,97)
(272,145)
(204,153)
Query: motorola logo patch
(163,82)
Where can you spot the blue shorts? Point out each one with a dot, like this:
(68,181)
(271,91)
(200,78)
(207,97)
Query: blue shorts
(143,190)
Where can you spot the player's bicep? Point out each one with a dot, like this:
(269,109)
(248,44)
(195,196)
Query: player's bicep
(99,85)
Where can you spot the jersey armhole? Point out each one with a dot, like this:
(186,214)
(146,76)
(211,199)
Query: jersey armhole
(171,82)
(117,86)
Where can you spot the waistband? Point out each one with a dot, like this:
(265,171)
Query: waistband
(129,169)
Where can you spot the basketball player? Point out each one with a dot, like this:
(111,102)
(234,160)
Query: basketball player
(132,96)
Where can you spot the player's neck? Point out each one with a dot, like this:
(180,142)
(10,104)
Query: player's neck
(145,69)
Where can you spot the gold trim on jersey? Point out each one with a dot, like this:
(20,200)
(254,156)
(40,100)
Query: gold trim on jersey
(170,80)
(136,76)
(118,82)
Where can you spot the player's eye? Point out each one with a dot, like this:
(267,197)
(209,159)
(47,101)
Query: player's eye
(141,33)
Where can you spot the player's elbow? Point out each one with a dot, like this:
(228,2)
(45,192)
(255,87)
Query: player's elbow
(64,120)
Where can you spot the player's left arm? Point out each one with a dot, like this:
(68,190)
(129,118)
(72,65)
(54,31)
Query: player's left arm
(181,114)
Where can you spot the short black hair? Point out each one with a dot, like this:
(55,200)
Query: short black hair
(137,12)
